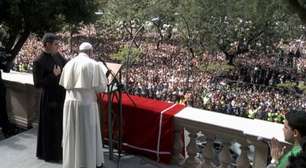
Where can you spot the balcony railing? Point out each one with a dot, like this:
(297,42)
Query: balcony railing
(207,131)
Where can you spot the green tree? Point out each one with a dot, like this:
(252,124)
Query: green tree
(162,15)
(236,27)
(129,15)
(299,7)
(125,52)
(19,18)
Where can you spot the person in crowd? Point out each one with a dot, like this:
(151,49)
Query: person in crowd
(295,133)
(47,68)
(3,114)
(299,161)
(82,78)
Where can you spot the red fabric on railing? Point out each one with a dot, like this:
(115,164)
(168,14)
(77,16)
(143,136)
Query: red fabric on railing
(148,128)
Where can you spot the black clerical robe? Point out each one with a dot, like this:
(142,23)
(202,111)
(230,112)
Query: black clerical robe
(4,122)
(51,106)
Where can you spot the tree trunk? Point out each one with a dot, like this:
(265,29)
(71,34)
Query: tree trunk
(19,40)
(161,37)
(230,58)
(169,33)
(130,33)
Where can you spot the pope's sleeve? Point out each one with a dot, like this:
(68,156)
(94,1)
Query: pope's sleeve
(99,80)
(62,79)
(66,76)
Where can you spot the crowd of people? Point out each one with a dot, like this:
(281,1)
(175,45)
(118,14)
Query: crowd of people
(161,76)
(170,74)
(32,48)
(253,101)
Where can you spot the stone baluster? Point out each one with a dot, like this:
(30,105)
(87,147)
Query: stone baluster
(178,158)
(192,149)
(243,160)
(225,155)
(261,154)
(208,152)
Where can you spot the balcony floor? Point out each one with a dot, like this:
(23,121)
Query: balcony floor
(19,152)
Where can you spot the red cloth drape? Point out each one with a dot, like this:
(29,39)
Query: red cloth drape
(146,123)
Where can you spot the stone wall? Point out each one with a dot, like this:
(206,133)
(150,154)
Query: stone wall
(23,103)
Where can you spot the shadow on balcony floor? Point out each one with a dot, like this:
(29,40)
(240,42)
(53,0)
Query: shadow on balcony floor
(13,131)
(19,152)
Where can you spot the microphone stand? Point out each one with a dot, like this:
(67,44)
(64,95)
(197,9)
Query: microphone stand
(114,90)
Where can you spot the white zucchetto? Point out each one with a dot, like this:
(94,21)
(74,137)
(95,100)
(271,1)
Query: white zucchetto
(85,46)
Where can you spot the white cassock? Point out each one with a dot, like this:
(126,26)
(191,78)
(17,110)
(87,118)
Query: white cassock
(83,78)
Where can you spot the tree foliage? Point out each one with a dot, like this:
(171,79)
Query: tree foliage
(217,69)
(237,27)
(19,18)
(128,14)
(298,7)
(162,15)
(234,27)
(127,55)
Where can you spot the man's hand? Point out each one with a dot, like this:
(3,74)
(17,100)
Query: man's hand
(57,70)
(277,150)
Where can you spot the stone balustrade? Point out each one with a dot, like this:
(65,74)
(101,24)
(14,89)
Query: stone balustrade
(242,142)
(23,100)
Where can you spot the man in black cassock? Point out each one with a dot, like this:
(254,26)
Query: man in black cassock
(4,122)
(7,127)
(47,69)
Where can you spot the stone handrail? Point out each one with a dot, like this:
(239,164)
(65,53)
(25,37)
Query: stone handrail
(18,77)
(23,100)
(248,137)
